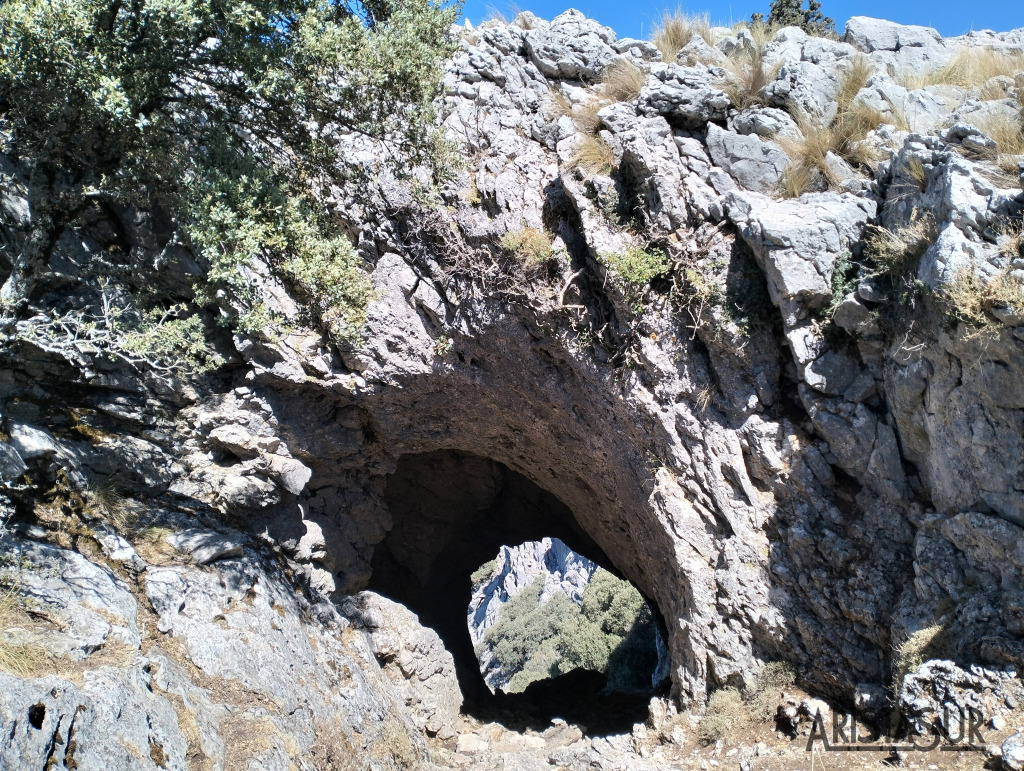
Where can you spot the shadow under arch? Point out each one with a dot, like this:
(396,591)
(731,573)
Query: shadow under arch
(451,512)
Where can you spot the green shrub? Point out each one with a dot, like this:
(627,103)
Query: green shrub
(634,269)
(160,336)
(611,632)
(524,624)
(483,572)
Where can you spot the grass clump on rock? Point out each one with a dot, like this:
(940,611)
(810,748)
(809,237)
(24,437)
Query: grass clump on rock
(531,245)
(622,81)
(675,31)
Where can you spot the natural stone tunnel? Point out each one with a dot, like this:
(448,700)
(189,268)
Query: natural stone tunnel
(451,512)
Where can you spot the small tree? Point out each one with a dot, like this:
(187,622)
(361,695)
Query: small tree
(791,13)
(224,113)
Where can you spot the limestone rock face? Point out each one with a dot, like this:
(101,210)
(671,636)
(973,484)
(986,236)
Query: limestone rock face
(786,461)
(516,567)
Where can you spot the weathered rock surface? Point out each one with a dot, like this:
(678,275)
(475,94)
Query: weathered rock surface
(778,480)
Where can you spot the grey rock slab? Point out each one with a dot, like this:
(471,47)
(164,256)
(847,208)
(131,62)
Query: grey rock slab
(32,442)
(799,240)
(11,464)
(293,475)
(831,373)
(868,34)
(571,47)
(90,605)
(854,316)
(765,122)
(113,722)
(205,546)
(413,657)
(804,88)
(1012,752)
(755,164)
(684,94)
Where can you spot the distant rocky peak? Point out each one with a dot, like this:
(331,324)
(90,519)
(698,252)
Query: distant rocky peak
(517,567)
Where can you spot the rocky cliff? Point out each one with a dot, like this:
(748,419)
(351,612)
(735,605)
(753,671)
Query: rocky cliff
(516,567)
(796,424)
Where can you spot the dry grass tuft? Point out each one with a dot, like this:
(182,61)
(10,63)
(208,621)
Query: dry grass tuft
(18,658)
(672,34)
(622,81)
(1008,133)
(585,115)
(729,711)
(675,31)
(799,177)
(559,106)
(896,253)
(809,167)
(933,642)
(970,68)
(748,75)
(530,245)
(725,711)
(852,81)
(970,299)
(593,156)
(764,697)
(843,137)
(1011,240)
(917,173)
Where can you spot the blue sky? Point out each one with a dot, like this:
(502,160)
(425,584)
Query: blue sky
(635,19)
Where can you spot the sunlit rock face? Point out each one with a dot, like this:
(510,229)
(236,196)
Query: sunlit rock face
(785,462)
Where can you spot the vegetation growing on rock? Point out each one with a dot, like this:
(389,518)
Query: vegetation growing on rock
(224,116)
(612,631)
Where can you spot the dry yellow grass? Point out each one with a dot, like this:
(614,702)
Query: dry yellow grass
(933,642)
(971,299)
(748,75)
(970,68)
(585,115)
(843,137)
(897,252)
(593,156)
(18,658)
(622,81)
(671,34)
(1008,133)
(917,173)
(532,246)
(809,166)
(852,81)
(1011,240)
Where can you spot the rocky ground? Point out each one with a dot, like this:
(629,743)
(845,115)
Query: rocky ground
(796,424)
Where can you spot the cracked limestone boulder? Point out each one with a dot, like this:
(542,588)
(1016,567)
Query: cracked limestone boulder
(755,164)
(572,47)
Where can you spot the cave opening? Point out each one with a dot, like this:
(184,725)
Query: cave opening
(452,512)
(540,610)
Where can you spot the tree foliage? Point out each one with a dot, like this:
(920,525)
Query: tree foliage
(611,632)
(791,13)
(225,113)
